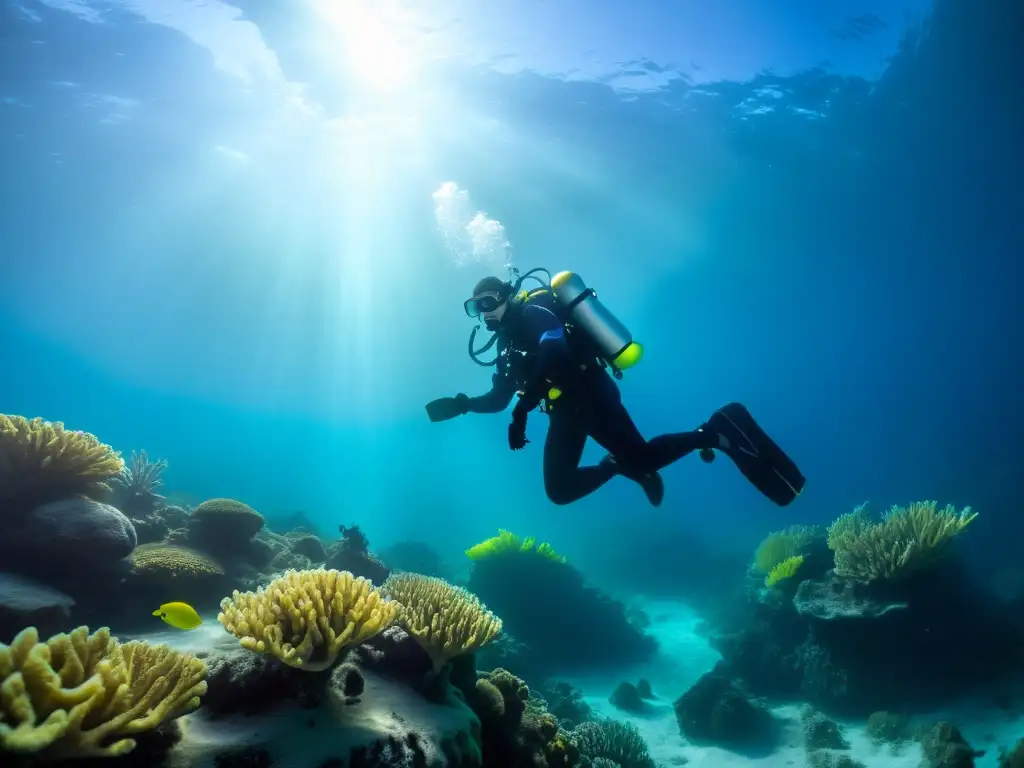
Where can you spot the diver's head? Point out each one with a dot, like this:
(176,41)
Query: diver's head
(489,301)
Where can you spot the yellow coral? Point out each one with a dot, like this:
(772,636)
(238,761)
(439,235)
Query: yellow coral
(307,618)
(848,524)
(446,620)
(42,461)
(507,542)
(785,570)
(778,546)
(159,560)
(85,695)
(905,540)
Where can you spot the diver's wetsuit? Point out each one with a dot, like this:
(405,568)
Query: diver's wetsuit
(539,355)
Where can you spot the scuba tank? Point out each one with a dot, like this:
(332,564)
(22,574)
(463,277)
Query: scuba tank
(612,340)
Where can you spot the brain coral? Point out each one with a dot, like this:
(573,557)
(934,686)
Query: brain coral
(227,518)
(166,560)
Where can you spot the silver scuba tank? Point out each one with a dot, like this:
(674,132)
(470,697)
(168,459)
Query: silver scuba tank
(613,340)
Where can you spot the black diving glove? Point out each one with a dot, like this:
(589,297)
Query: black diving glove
(517,429)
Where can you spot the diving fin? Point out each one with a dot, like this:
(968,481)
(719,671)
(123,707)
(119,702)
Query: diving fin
(756,455)
(444,408)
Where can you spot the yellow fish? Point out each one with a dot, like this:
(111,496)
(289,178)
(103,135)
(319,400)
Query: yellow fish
(179,615)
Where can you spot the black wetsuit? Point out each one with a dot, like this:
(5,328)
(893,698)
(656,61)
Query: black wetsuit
(538,354)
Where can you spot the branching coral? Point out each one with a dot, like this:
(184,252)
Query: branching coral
(782,545)
(82,695)
(307,618)
(447,621)
(41,461)
(904,541)
(613,740)
(507,542)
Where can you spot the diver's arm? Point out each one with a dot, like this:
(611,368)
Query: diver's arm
(503,388)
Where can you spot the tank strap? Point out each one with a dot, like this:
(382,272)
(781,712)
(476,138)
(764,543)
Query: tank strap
(586,294)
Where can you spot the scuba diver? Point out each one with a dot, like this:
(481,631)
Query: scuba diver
(555,346)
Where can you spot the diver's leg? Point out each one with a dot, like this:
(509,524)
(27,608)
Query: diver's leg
(609,423)
(565,481)
(669,448)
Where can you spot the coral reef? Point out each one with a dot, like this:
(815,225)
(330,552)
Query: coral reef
(594,634)
(716,711)
(565,703)
(41,461)
(352,554)
(87,695)
(223,526)
(517,729)
(905,540)
(612,740)
(447,621)
(850,644)
(134,489)
(307,618)
(627,698)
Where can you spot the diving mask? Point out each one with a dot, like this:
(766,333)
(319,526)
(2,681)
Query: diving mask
(485,302)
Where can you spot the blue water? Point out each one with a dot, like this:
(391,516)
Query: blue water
(221,244)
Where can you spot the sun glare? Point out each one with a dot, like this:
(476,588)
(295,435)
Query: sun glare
(373,41)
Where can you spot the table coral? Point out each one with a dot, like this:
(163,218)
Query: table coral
(446,620)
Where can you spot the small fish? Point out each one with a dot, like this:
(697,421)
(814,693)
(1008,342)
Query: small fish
(179,615)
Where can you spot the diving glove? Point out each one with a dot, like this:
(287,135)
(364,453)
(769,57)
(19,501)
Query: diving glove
(517,429)
(446,408)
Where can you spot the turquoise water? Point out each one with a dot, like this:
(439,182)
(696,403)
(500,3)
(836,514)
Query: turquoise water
(239,236)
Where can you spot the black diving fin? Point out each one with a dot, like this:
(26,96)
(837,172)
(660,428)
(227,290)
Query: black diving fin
(444,408)
(756,455)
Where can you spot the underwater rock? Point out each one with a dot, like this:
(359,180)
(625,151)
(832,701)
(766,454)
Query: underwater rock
(945,747)
(715,711)
(25,602)
(834,598)
(888,727)
(357,717)
(174,516)
(395,653)
(824,758)
(358,564)
(566,703)
(150,529)
(307,545)
(76,530)
(517,729)
(1012,758)
(820,732)
(593,634)
(643,687)
(627,698)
